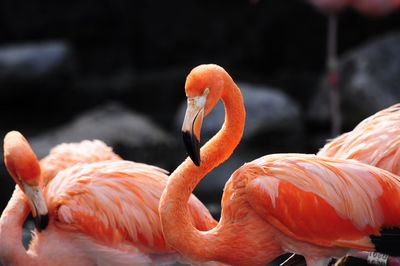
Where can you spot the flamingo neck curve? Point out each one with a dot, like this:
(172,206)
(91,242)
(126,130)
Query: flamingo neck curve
(12,252)
(175,217)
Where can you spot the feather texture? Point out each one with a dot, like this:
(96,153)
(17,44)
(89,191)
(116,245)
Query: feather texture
(115,201)
(374,141)
(355,198)
(103,210)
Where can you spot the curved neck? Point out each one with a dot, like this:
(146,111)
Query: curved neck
(12,252)
(175,218)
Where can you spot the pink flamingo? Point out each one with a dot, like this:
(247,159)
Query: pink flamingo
(101,213)
(318,207)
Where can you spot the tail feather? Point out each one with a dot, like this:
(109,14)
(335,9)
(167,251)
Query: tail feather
(388,242)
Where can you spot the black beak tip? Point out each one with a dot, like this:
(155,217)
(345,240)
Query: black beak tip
(192,145)
(196,161)
(41,222)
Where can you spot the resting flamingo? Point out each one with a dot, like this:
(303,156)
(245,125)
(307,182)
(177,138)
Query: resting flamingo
(101,213)
(65,155)
(318,207)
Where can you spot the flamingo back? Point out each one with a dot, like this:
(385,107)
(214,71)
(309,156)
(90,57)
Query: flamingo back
(356,200)
(114,202)
(375,141)
(65,155)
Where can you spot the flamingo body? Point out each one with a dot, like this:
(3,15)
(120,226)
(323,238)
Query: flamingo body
(66,155)
(315,206)
(279,201)
(104,213)
(282,187)
(114,202)
(374,141)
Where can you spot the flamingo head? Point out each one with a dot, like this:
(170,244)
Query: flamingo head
(204,87)
(23,166)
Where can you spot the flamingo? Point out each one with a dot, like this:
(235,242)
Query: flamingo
(65,155)
(100,213)
(318,207)
(374,141)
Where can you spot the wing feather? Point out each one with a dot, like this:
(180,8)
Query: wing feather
(114,201)
(67,154)
(322,200)
(375,141)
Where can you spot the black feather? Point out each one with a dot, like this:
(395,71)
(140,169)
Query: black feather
(41,222)
(388,242)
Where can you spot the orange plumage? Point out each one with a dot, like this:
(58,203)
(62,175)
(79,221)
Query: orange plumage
(374,141)
(315,206)
(66,155)
(101,213)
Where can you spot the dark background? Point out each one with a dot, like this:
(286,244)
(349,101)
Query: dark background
(138,53)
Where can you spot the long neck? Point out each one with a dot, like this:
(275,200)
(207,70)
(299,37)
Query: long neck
(12,219)
(178,229)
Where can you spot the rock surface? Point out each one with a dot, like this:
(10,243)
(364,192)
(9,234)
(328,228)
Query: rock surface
(132,135)
(33,61)
(267,110)
(369,81)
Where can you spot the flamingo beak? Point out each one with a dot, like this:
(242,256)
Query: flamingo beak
(38,205)
(192,126)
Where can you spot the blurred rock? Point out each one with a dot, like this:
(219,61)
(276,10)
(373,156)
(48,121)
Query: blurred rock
(33,62)
(369,81)
(148,91)
(132,135)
